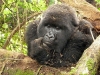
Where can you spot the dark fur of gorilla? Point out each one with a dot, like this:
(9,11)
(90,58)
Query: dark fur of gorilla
(58,39)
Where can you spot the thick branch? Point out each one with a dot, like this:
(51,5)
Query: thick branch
(84,8)
(90,60)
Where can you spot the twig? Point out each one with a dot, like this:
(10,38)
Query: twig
(92,34)
(15,30)
(10,59)
(9,9)
(37,73)
(2,69)
(12,33)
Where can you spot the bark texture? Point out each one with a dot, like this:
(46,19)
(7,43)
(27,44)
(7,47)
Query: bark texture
(90,60)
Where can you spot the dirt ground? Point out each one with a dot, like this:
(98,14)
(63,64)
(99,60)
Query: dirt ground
(18,64)
(27,63)
(12,62)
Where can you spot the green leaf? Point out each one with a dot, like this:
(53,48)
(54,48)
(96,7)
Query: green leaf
(6,11)
(98,1)
(5,25)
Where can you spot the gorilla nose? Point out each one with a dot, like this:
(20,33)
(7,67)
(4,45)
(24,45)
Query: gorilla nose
(50,37)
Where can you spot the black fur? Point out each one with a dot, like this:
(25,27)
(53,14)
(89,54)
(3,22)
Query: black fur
(58,38)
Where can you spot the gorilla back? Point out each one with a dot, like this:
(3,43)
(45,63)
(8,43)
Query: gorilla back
(57,39)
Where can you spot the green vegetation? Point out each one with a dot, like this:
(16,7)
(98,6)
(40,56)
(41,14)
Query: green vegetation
(13,13)
(91,68)
(73,70)
(20,72)
(98,4)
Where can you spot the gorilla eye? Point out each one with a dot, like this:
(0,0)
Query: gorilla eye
(57,27)
(48,25)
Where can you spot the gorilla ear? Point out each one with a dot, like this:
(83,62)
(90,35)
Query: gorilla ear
(75,19)
(75,22)
(37,21)
(86,23)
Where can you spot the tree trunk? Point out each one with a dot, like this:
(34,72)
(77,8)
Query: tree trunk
(86,10)
(90,60)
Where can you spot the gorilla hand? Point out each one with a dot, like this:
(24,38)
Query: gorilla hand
(38,50)
(41,44)
(37,45)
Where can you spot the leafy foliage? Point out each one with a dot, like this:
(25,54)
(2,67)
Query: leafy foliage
(13,13)
(98,3)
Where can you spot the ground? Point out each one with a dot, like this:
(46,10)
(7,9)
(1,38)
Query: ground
(12,63)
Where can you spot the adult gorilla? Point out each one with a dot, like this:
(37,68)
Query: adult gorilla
(58,38)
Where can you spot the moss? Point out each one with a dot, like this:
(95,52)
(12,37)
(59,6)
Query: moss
(20,72)
(24,73)
(90,65)
(72,71)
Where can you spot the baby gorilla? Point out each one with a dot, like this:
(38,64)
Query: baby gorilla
(58,39)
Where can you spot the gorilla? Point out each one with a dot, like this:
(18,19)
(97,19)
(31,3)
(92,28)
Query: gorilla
(58,38)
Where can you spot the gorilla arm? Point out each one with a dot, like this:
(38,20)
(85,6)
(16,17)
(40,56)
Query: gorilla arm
(31,33)
(35,45)
(87,28)
(39,50)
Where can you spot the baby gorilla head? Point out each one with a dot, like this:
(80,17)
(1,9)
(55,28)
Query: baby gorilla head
(56,26)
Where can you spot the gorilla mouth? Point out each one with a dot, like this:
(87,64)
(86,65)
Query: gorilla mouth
(47,46)
(48,43)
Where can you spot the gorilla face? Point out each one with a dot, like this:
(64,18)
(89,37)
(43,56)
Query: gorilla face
(56,27)
(52,34)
